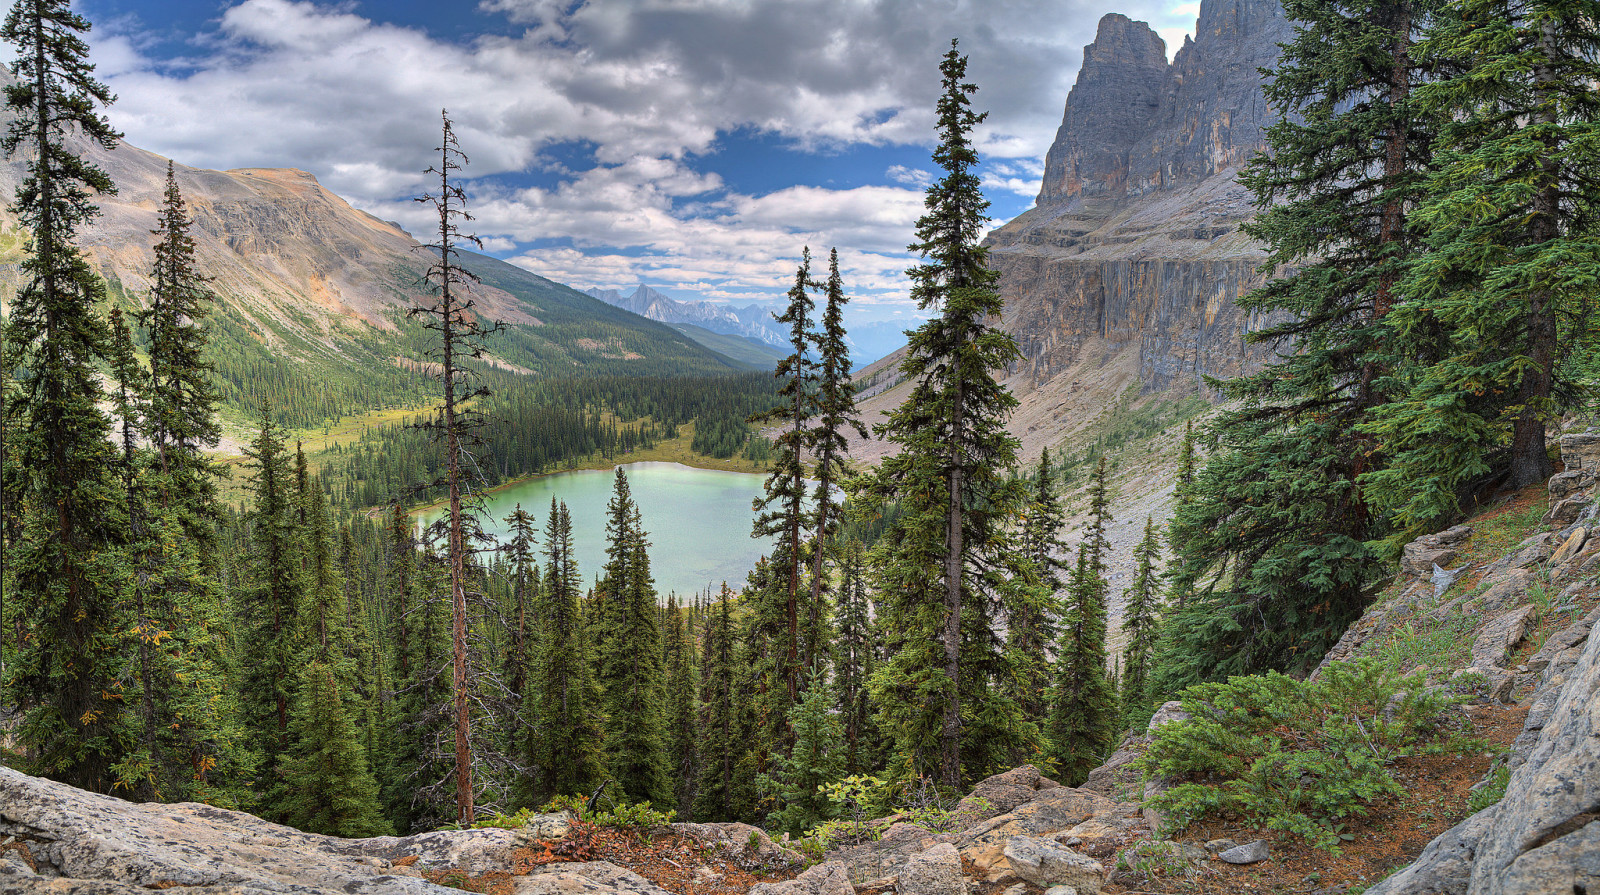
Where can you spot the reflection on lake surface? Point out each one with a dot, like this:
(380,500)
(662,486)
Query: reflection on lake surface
(698,520)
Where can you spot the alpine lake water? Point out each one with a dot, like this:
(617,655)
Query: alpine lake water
(697,520)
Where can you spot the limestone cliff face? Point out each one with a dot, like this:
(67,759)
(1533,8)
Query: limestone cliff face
(1134,239)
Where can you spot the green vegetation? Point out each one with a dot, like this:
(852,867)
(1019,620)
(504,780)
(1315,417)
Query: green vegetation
(1298,756)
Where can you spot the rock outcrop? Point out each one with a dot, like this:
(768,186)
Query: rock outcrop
(61,839)
(1134,239)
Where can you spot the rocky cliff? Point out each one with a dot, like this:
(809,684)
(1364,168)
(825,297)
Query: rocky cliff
(1134,239)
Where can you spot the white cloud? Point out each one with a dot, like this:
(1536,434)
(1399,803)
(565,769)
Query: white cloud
(647,86)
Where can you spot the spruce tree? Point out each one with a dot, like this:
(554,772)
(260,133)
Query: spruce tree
(182,399)
(1510,275)
(1083,715)
(716,792)
(815,760)
(836,417)
(781,513)
(949,477)
(682,731)
(519,552)
(631,674)
(565,738)
(268,606)
(66,679)
(1140,617)
(328,787)
(854,660)
(1031,631)
(1272,544)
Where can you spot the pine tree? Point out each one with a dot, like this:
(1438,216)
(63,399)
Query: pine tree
(949,476)
(1139,620)
(1510,272)
(631,675)
(328,787)
(66,679)
(565,737)
(452,314)
(782,512)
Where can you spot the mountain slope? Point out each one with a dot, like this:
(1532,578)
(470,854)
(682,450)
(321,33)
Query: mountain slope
(314,292)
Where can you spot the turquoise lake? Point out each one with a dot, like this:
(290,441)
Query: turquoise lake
(698,520)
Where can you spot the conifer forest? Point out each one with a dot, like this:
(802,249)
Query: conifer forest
(288,640)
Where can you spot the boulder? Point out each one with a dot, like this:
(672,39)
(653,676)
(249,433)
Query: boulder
(1530,552)
(1500,636)
(1057,813)
(1543,837)
(872,862)
(1580,451)
(1570,547)
(80,842)
(750,845)
(1166,714)
(1567,511)
(1565,484)
(1001,793)
(1249,853)
(584,878)
(1442,548)
(1046,864)
(1506,589)
(827,878)
(936,871)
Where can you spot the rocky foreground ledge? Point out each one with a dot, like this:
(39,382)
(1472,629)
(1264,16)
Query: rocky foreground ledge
(1016,828)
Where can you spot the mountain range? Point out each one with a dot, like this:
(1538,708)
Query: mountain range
(313,292)
(755,323)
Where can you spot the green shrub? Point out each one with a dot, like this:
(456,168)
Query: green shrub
(640,816)
(1297,756)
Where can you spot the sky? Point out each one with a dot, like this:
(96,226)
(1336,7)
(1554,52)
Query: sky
(693,145)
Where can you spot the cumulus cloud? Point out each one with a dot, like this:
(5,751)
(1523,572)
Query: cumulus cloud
(648,87)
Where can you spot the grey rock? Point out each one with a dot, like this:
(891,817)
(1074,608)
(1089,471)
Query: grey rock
(887,857)
(936,871)
(1445,866)
(1001,793)
(1567,511)
(1531,552)
(1248,853)
(1047,864)
(827,878)
(751,844)
(1564,484)
(1570,547)
(549,826)
(1217,846)
(1500,636)
(1580,451)
(86,843)
(1441,579)
(584,878)
(1544,835)
(1418,558)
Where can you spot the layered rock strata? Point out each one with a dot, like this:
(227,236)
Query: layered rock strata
(1135,239)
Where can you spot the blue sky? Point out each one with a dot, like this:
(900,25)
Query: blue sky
(694,145)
